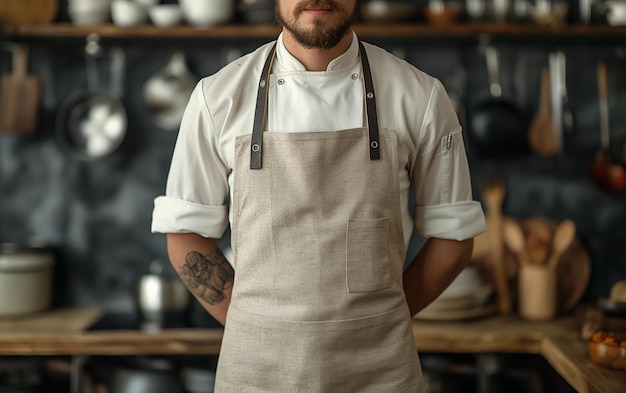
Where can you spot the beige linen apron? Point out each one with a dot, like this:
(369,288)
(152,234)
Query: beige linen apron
(317,302)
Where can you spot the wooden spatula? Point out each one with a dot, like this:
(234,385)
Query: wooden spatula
(493,193)
(541,136)
(20,97)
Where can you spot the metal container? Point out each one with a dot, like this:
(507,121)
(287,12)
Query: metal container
(161,301)
(25,279)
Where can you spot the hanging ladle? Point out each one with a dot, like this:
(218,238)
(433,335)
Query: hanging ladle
(606,173)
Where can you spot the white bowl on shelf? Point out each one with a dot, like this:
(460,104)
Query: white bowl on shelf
(205,13)
(88,12)
(165,15)
(88,4)
(615,13)
(89,18)
(125,13)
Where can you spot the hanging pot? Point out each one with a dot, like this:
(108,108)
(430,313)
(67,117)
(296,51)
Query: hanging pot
(167,92)
(92,124)
(497,126)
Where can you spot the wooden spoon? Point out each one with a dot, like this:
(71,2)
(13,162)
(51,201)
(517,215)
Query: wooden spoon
(515,239)
(563,237)
(541,136)
(493,195)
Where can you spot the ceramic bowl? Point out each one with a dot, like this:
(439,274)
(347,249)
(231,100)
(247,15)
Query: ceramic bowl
(89,18)
(88,6)
(205,13)
(615,13)
(125,13)
(88,13)
(165,15)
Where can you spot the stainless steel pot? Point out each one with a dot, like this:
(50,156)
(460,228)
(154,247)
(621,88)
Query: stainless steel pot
(92,124)
(25,279)
(161,300)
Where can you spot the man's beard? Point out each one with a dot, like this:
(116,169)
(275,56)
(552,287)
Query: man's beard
(320,36)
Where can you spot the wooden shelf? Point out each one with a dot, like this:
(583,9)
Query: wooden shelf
(414,30)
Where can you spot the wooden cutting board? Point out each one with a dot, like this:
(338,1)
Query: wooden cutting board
(28,11)
(21,92)
(63,320)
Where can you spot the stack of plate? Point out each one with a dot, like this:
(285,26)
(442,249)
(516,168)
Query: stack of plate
(469,296)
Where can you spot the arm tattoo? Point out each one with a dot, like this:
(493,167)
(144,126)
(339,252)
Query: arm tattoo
(207,275)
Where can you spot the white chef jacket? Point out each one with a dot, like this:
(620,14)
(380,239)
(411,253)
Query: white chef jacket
(431,153)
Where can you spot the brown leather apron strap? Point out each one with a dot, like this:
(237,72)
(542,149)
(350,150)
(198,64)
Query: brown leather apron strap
(370,105)
(260,113)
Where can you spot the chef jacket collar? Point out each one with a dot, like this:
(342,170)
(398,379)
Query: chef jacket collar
(285,61)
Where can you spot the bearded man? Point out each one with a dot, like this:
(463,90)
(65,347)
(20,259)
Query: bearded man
(316,141)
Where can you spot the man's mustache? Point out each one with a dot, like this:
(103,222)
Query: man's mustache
(317,4)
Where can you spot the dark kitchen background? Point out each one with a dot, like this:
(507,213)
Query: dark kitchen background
(96,214)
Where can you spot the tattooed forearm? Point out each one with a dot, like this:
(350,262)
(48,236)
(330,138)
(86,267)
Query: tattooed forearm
(207,275)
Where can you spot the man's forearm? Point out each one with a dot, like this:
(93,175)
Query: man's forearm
(205,271)
(436,265)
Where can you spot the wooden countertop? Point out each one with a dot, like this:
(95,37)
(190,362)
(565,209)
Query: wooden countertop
(557,340)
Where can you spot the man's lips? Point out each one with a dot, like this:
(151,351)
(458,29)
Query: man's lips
(318,11)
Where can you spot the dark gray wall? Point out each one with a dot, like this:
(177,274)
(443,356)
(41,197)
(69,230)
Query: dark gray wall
(97,215)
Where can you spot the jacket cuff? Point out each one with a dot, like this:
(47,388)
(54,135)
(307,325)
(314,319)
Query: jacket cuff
(454,221)
(172,215)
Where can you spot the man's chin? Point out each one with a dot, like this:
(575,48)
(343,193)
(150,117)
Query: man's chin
(315,32)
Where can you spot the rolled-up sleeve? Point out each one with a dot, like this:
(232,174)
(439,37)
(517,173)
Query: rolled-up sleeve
(440,174)
(197,183)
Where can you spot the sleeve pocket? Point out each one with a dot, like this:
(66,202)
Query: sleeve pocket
(451,147)
(367,259)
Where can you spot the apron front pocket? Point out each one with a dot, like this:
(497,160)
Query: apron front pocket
(367,255)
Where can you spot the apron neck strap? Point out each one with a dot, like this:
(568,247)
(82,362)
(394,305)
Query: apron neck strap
(370,105)
(260,115)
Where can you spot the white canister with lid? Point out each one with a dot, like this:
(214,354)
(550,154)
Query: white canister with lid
(25,279)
